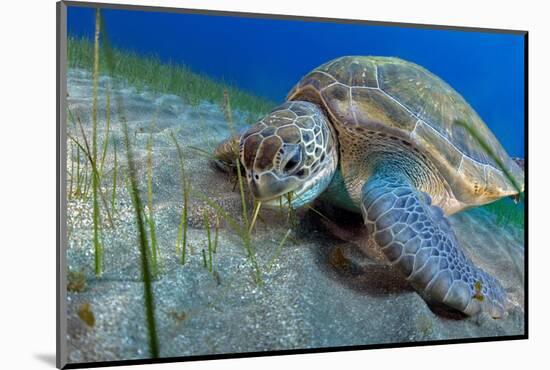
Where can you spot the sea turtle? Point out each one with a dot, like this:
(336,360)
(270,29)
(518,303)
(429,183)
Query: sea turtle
(385,137)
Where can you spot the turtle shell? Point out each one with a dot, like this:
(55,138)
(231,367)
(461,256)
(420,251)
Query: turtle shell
(403,98)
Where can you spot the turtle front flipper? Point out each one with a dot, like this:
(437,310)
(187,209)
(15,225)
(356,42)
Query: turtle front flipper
(227,153)
(417,237)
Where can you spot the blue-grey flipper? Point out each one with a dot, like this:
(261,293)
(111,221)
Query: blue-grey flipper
(417,237)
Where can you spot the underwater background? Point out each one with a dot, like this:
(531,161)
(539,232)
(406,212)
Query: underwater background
(267,57)
(169,256)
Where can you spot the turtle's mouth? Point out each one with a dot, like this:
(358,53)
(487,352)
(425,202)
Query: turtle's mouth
(283,197)
(296,196)
(268,186)
(289,198)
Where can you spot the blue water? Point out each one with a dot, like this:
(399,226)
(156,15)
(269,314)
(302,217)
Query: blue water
(268,57)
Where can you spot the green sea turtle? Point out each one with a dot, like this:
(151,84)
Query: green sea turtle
(379,136)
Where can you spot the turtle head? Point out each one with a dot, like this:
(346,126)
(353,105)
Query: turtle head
(291,154)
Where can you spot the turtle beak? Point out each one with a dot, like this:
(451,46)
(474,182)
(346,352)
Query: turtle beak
(267,186)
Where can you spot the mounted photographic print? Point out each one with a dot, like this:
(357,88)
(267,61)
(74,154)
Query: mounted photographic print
(234,184)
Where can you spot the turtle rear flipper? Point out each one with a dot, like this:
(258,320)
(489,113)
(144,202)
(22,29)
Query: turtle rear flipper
(418,238)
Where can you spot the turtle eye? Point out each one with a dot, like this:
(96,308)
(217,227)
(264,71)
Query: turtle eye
(293,162)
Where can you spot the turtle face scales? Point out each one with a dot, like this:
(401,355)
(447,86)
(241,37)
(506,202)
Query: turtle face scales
(290,153)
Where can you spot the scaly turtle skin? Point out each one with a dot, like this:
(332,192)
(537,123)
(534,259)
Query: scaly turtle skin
(380,136)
